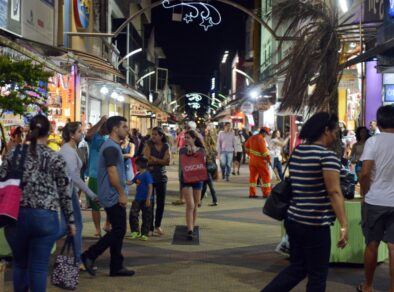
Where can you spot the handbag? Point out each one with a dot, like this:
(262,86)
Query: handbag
(348,183)
(65,273)
(278,201)
(194,168)
(11,188)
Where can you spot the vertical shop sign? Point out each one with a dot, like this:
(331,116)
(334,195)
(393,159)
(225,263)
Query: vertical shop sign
(16,10)
(3,13)
(373,10)
(389,93)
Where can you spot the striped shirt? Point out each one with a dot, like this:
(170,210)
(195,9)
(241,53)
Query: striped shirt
(310,204)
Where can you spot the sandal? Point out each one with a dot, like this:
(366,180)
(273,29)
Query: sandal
(159,231)
(360,287)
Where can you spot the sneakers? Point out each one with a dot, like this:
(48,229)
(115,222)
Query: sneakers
(135,235)
(213,204)
(143,238)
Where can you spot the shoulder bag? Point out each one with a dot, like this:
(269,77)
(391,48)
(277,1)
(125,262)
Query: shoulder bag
(11,188)
(278,201)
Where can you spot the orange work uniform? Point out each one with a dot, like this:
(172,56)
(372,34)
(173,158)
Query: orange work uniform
(256,148)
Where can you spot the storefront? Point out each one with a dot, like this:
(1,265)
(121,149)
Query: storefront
(140,117)
(61,98)
(350,97)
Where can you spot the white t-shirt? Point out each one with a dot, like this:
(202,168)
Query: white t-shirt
(380,149)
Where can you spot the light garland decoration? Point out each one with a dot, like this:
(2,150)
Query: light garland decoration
(209,15)
(194,100)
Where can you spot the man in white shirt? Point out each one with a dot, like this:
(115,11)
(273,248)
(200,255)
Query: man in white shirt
(377,189)
(225,148)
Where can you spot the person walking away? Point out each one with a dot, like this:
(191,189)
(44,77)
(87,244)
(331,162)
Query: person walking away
(245,136)
(72,135)
(95,137)
(277,144)
(111,177)
(259,157)
(142,201)
(157,151)
(237,151)
(362,135)
(128,153)
(192,191)
(225,148)
(45,189)
(317,199)
(211,153)
(54,140)
(135,138)
(377,190)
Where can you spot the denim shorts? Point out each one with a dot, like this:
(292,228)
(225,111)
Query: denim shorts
(195,186)
(377,223)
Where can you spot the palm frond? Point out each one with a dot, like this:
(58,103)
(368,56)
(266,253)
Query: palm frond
(314,56)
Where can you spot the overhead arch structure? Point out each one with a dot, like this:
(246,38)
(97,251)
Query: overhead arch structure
(160,3)
(194,97)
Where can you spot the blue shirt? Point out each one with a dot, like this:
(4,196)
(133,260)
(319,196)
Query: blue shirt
(110,155)
(310,203)
(94,150)
(143,180)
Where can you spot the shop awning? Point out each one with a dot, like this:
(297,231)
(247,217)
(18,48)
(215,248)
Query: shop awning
(123,90)
(94,63)
(34,51)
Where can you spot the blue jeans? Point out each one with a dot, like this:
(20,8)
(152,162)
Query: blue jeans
(78,226)
(31,240)
(226,160)
(278,166)
(309,256)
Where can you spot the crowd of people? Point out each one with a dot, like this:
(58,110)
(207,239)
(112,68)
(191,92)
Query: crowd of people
(105,160)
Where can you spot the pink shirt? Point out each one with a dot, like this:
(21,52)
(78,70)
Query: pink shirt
(226,142)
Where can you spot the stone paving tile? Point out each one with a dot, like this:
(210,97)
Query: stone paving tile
(236,251)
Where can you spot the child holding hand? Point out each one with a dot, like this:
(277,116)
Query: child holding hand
(142,201)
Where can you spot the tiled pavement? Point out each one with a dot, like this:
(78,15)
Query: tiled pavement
(236,251)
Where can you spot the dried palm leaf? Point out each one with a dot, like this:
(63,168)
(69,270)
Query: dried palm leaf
(313,60)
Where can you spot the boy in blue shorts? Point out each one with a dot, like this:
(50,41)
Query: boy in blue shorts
(142,201)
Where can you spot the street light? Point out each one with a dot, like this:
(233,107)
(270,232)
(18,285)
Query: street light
(248,78)
(145,76)
(129,55)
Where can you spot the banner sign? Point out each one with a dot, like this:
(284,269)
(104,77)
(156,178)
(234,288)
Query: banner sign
(138,110)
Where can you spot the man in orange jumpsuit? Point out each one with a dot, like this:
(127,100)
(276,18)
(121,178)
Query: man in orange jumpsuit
(259,157)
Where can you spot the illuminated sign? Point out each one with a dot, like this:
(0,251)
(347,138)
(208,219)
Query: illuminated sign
(389,93)
(391,8)
(81,13)
(206,13)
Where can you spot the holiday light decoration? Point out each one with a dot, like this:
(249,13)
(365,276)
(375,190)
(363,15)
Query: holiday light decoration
(206,13)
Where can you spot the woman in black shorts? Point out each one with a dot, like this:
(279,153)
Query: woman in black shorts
(191,192)
(239,139)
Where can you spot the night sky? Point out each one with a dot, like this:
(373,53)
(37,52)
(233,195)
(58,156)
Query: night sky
(194,54)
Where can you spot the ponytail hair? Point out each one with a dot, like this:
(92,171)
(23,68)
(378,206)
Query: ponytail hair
(39,128)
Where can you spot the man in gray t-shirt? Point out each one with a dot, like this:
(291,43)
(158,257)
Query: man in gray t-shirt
(377,190)
(113,197)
